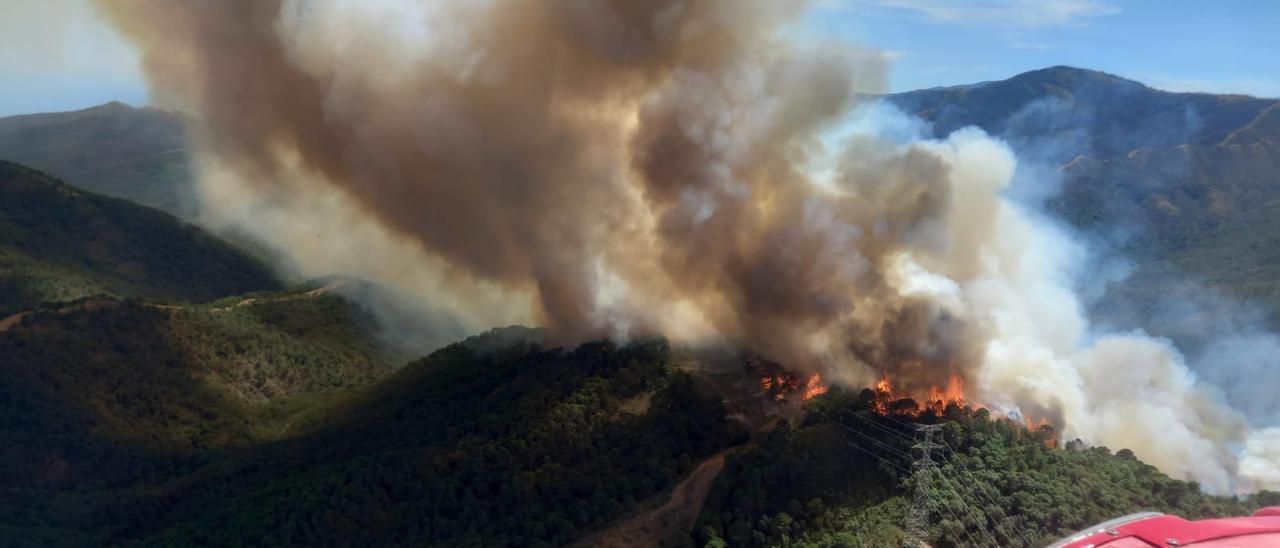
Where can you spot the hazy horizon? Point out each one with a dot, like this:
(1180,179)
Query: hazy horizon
(68,58)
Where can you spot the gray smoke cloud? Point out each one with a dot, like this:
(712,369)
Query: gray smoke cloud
(616,167)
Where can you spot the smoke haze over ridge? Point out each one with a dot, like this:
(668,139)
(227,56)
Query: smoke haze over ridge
(615,168)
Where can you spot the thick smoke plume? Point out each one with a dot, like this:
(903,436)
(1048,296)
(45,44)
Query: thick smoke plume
(610,167)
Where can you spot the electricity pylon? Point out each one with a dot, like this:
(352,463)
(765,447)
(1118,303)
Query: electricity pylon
(918,520)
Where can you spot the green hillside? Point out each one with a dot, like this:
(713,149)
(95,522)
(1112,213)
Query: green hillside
(996,483)
(488,442)
(501,441)
(137,349)
(104,399)
(60,244)
(138,154)
(184,379)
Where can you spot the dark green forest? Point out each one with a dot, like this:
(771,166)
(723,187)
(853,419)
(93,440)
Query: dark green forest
(503,441)
(487,442)
(842,476)
(59,244)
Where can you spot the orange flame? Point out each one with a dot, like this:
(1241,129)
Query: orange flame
(1033,424)
(888,401)
(938,397)
(953,393)
(779,385)
(884,394)
(883,385)
(814,387)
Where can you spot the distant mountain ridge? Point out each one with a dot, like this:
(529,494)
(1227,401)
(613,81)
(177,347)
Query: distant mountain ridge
(1120,114)
(1183,176)
(139,154)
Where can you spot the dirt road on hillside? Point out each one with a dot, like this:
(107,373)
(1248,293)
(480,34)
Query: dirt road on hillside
(652,527)
(8,322)
(12,320)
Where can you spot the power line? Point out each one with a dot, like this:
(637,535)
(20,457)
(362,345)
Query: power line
(971,475)
(985,537)
(960,466)
(891,449)
(978,508)
(981,519)
(905,424)
(895,451)
(883,446)
(977,538)
(897,466)
(918,519)
(900,435)
(873,454)
(924,492)
(924,487)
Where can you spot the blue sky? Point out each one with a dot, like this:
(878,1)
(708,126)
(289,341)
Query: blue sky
(1181,45)
(57,55)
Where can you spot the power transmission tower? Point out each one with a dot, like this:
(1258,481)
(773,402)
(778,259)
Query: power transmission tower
(918,521)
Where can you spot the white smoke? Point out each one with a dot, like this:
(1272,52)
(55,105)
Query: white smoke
(1260,462)
(1014,278)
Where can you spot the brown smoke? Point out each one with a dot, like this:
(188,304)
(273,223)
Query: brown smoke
(667,139)
(656,166)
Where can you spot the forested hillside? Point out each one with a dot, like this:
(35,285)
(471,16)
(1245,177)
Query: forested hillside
(502,441)
(996,483)
(494,441)
(59,244)
(94,383)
